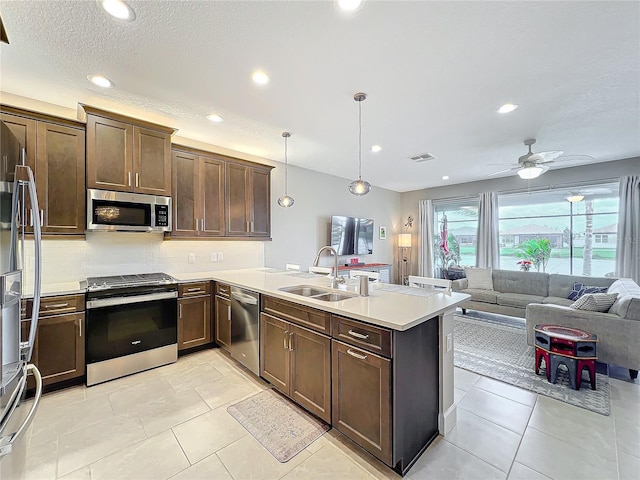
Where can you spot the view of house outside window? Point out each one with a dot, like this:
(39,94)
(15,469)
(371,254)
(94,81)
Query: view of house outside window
(462,226)
(557,236)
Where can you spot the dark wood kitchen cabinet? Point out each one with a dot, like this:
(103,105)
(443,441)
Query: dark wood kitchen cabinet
(297,361)
(126,154)
(59,349)
(223,316)
(194,314)
(198,194)
(55,151)
(248,200)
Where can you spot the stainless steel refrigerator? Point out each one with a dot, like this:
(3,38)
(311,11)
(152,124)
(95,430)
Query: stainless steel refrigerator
(17,194)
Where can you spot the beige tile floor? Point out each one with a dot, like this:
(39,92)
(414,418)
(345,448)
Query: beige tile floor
(172,422)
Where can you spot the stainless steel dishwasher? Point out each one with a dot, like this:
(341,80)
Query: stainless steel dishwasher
(245,328)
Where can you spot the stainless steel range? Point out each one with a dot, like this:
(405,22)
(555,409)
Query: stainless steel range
(132,324)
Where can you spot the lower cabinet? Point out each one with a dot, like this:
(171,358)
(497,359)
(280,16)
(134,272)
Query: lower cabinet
(297,361)
(59,345)
(362,398)
(194,315)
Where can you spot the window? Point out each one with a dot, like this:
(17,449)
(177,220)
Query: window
(558,236)
(462,226)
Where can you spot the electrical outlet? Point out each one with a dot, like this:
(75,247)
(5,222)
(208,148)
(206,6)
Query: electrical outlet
(220,256)
(192,258)
(214,257)
(449,342)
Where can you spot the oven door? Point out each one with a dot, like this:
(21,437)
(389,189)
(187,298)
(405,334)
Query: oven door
(120,326)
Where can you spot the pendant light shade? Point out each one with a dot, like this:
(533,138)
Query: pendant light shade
(285,200)
(359,187)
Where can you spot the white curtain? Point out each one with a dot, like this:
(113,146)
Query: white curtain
(487,248)
(425,242)
(628,247)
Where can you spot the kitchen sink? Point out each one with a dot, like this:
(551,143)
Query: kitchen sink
(324,294)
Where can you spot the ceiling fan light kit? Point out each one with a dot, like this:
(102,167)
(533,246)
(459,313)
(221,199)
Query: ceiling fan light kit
(359,187)
(529,172)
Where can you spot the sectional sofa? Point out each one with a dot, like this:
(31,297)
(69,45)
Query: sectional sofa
(542,298)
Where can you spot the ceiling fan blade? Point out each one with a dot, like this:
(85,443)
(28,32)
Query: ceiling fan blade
(503,171)
(575,158)
(544,157)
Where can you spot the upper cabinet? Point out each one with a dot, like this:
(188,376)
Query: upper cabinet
(218,196)
(55,151)
(127,155)
(248,200)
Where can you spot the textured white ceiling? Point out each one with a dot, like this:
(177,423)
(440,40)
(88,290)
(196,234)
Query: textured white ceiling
(434,72)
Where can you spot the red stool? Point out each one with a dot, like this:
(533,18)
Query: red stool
(541,353)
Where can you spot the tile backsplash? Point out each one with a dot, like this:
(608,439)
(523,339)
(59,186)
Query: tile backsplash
(115,253)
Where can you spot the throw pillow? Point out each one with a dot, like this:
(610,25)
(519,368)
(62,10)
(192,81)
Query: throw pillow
(479,278)
(579,290)
(595,302)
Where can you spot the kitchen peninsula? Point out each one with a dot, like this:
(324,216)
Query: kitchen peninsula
(382,365)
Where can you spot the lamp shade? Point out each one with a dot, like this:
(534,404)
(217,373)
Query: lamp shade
(404,240)
(575,198)
(529,172)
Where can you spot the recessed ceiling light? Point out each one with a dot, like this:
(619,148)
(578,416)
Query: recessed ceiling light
(100,81)
(350,5)
(214,117)
(118,9)
(507,108)
(260,77)
(376,148)
(445,177)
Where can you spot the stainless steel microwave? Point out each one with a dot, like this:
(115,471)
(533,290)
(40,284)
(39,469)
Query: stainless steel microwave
(127,212)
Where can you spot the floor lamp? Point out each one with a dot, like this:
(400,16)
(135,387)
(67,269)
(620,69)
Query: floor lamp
(404,257)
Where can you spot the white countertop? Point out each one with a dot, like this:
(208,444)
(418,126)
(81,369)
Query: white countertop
(393,310)
(51,289)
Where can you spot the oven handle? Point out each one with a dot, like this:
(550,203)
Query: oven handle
(109,302)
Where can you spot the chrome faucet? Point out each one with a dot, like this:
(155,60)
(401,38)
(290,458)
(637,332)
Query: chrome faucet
(335,281)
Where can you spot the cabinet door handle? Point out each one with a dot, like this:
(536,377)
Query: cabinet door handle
(137,179)
(180,311)
(197,225)
(354,354)
(284,341)
(41,218)
(31,217)
(80,328)
(248,227)
(229,312)
(291,342)
(202,224)
(358,335)
(56,305)
(129,178)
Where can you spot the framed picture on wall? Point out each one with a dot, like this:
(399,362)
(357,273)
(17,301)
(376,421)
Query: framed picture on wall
(383,233)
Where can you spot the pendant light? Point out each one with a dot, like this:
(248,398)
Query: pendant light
(359,187)
(285,200)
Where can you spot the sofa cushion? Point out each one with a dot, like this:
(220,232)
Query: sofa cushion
(561,285)
(595,302)
(480,295)
(628,303)
(528,283)
(580,289)
(520,300)
(479,278)
(557,301)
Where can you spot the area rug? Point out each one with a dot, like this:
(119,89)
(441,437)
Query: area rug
(278,424)
(496,347)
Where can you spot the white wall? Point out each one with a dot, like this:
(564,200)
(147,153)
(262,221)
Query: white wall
(599,172)
(299,231)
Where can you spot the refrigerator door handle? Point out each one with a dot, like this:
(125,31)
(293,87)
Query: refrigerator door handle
(7,441)
(25,176)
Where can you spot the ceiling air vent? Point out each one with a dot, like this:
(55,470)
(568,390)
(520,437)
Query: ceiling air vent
(423,158)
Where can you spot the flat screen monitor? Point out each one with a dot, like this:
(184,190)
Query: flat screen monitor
(352,236)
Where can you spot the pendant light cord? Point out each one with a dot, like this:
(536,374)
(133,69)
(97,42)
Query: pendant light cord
(360,140)
(285,166)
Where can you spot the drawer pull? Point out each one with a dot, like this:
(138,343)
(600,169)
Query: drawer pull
(56,305)
(358,335)
(354,354)
(196,289)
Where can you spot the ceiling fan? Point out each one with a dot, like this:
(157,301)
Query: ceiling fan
(532,165)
